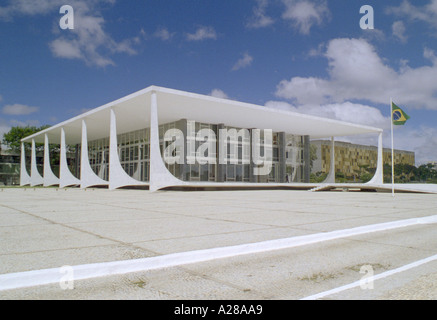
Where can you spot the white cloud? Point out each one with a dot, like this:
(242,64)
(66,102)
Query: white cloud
(218,94)
(243,62)
(62,48)
(19,110)
(422,140)
(430,55)
(88,41)
(259,18)
(427,13)
(163,34)
(398,29)
(346,111)
(202,33)
(317,52)
(32,123)
(355,71)
(304,14)
(22,7)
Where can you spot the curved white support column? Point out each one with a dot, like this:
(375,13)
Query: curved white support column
(35,177)
(331,175)
(88,178)
(49,177)
(160,177)
(117,176)
(66,178)
(24,176)
(378,178)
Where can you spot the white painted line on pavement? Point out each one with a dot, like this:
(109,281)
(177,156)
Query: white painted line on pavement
(87,271)
(371,279)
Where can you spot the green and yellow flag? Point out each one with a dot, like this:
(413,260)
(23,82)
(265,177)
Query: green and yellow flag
(399,116)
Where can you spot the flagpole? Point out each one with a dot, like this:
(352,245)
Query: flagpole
(392,151)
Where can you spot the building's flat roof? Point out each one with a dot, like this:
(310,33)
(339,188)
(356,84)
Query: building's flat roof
(133,113)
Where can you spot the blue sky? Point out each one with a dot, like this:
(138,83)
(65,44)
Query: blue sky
(309,56)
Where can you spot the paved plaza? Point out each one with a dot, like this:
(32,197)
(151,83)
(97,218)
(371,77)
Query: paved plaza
(52,228)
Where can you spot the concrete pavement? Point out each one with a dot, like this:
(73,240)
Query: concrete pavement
(50,228)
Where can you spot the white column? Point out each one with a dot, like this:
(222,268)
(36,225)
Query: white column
(378,178)
(88,178)
(331,175)
(49,177)
(24,176)
(160,177)
(35,177)
(117,176)
(66,178)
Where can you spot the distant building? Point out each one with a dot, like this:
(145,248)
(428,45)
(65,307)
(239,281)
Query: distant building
(351,158)
(9,168)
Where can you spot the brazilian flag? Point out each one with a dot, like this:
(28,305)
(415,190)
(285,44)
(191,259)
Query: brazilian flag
(399,116)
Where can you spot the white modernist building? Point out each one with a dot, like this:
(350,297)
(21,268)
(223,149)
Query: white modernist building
(135,141)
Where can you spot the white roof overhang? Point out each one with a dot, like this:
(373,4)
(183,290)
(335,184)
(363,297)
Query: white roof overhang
(133,113)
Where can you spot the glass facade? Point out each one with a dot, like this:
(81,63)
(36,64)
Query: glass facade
(201,161)
(295,158)
(176,168)
(199,155)
(134,153)
(236,153)
(98,153)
